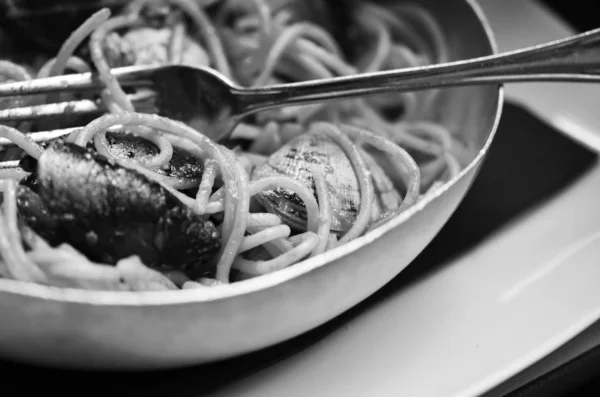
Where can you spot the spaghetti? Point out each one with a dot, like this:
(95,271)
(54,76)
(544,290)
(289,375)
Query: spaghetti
(268,216)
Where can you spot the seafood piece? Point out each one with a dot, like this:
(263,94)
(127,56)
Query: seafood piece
(109,212)
(118,52)
(151,47)
(129,146)
(312,152)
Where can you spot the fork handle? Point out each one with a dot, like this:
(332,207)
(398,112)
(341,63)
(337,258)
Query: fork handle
(573,59)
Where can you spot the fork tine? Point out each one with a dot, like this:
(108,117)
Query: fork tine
(84,106)
(129,75)
(38,112)
(4,165)
(12,170)
(69,108)
(39,136)
(69,82)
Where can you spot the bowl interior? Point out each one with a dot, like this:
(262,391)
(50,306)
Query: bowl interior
(470,113)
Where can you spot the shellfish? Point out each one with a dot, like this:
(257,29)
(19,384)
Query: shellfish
(108,212)
(313,152)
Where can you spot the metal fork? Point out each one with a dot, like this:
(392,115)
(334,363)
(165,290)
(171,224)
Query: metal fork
(211,103)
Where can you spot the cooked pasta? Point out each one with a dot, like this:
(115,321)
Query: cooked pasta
(291,183)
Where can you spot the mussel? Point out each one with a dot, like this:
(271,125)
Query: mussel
(182,165)
(109,212)
(312,152)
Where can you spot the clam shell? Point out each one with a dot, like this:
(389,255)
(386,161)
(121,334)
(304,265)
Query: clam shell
(311,152)
(182,165)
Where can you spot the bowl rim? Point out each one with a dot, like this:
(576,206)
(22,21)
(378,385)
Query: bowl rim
(227,291)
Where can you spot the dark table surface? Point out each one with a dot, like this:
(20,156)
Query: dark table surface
(581,14)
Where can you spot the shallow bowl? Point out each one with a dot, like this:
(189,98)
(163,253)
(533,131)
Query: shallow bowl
(88,329)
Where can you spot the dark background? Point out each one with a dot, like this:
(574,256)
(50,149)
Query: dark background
(581,14)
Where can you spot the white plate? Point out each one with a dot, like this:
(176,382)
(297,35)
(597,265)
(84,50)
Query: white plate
(488,315)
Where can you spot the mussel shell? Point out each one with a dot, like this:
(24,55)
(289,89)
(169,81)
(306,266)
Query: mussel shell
(109,213)
(182,165)
(48,23)
(311,152)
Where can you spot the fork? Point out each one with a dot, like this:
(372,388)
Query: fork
(211,103)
